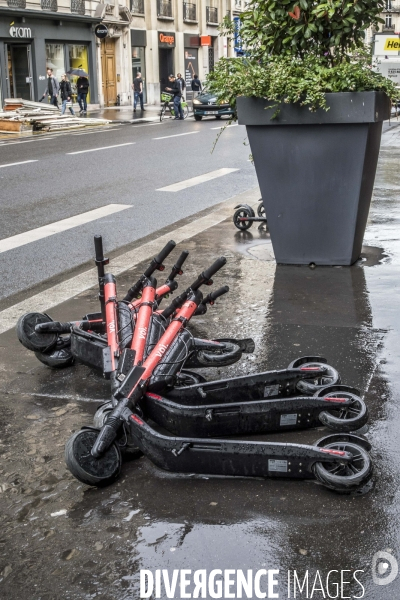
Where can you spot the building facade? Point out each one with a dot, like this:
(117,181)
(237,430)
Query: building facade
(45,33)
(155,37)
(176,36)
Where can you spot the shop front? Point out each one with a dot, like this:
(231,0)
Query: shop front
(31,42)
(166,59)
(138,47)
(192,44)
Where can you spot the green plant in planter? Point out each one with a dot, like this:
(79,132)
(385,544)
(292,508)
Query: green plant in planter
(298,51)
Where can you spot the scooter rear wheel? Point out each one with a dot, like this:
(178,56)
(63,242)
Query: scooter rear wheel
(311,386)
(240,214)
(87,469)
(125,447)
(29,338)
(345,418)
(261,210)
(346,477)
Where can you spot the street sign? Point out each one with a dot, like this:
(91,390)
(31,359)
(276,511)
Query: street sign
(101,31)
(392,44)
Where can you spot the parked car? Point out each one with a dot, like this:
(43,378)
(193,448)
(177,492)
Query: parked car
(205,105)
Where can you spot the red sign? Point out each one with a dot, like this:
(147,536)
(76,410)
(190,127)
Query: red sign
(205,40)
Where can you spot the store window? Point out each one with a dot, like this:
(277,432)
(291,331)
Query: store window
(55,59)
(138,66)
(78,59)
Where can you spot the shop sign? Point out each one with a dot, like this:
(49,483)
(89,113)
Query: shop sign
(205,40)
(101,31)
(166,39)
(20,32)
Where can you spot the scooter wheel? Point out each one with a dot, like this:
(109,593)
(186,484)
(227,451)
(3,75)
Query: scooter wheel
(89,470)
(28,337)
(261,210)
(240,214)
(227,355)
(346,477)
(59,358)
(345,418)
(100,417)
(186,378)
(310,386)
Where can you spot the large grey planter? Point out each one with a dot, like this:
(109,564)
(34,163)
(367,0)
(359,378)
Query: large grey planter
(316,173)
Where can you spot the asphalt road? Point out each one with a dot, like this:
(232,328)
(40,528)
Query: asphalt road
(60,185)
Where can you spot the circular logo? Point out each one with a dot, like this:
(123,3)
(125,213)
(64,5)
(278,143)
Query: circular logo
(101,31)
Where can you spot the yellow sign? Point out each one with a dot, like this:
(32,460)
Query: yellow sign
(392,44)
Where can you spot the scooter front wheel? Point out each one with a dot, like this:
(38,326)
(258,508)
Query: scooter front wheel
(59,357)
(127,450)
(185,378)
(87,469)
(346,476)
(313,385)
(345,418)
(239,219)
(38,342)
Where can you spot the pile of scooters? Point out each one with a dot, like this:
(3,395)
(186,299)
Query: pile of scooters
(161,407)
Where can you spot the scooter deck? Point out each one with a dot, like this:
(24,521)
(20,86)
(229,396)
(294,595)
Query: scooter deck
(258,386)
(229,457)
(236,418)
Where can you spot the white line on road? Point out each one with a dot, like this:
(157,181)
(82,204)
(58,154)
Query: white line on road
(24,162)
(103,148)
(42,232)
(165,137)
(61,292)
(181,185)
(226,126)
(97,131)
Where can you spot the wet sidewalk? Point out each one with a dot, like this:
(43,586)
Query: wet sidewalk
(126,115)
(62,539)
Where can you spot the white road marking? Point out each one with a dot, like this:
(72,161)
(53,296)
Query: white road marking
(62,292)
(103,148)
(165,137)
(182,185)
(149,119)
(42,232)
(226,126)
(24,162)
(95,131)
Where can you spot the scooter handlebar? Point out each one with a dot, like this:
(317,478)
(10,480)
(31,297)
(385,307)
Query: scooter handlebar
(98,247)
(205,277)
(212,296)
(157,262)
(177,268)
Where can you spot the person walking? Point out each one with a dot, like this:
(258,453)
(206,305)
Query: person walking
(137,87)
(196,84)
(175,88)
(181,82)
(82,86)
(66,93)
(52,89)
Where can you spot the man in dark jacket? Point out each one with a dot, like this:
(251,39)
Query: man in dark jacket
(196,84)
(52,89)
(66,93)
(82,86)
(175,88)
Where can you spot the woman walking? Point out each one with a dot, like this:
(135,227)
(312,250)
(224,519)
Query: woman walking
(66,93)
